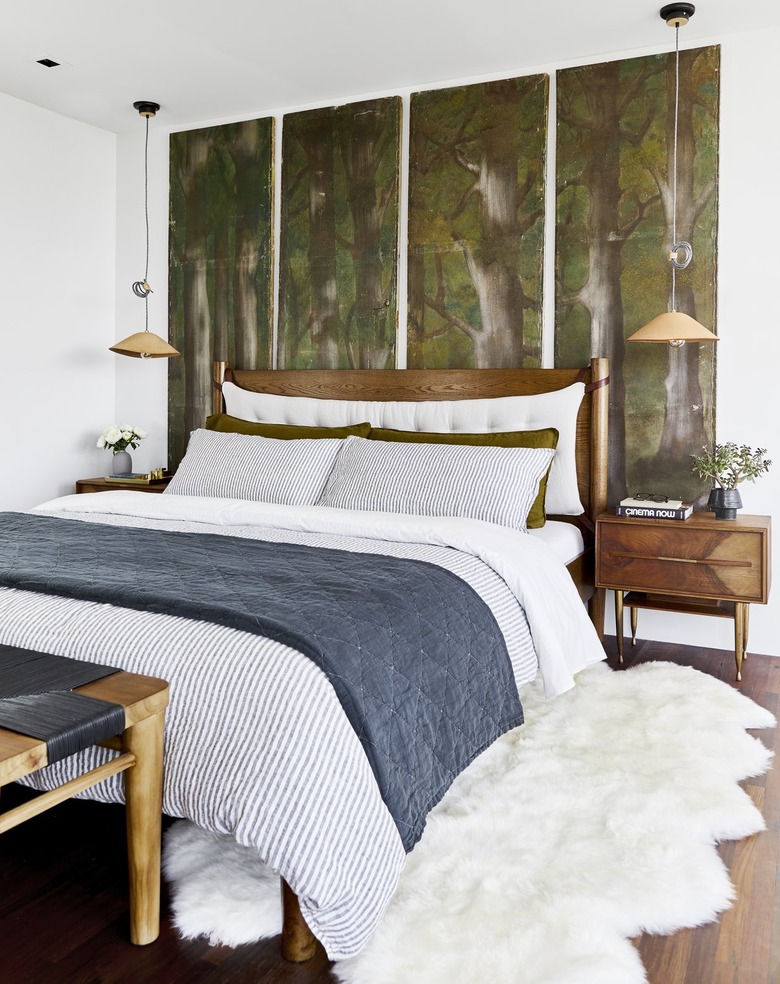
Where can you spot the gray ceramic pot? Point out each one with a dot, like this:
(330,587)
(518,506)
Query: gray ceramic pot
(724,503)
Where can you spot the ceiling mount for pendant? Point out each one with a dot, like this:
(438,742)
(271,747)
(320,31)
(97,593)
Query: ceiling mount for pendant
(677,14)
(148,109)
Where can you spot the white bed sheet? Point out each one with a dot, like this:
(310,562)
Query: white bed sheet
(564,539)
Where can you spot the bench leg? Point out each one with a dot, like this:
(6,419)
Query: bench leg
(143,792)
(298,941)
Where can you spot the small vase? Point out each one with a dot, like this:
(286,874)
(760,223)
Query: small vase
(724,503)
(122,463)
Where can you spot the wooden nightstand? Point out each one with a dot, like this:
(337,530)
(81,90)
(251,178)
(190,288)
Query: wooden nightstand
(101,485)
(701,565)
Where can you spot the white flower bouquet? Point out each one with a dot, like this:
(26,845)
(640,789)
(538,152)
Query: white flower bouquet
(121,437)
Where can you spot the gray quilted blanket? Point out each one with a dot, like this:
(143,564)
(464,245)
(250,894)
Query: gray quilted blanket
(414,655)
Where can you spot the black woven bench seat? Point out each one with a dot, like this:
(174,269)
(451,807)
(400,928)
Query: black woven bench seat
(37,700)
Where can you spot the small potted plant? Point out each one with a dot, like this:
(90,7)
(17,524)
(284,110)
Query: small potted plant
(118,439)
(726,466)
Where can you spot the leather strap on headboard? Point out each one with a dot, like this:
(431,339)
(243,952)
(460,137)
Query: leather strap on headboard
(595,384)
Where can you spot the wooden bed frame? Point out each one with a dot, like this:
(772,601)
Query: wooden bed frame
(298,943)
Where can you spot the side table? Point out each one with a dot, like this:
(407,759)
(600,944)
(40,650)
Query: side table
(103,485)
(701,566)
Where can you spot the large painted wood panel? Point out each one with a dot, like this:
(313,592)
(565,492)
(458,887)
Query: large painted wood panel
(613,236)
(220,263)
(339,237)
(476,224)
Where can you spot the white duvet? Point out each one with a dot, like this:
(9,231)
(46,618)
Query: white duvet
(257,745)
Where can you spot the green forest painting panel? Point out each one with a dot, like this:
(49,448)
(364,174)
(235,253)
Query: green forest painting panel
(339,237)
(476,225)
(614,232)
(220,263)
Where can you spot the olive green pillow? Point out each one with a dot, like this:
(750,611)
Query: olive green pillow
(547,437)
(226,424)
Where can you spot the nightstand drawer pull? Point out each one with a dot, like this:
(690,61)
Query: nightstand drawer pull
(710,562)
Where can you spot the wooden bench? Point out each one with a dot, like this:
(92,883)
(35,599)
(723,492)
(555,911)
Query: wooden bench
(141,760)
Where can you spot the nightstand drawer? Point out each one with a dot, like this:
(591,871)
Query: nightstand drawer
(691,560)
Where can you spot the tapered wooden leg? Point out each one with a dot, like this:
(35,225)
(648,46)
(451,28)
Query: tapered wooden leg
(619,623)
(298,941)
(143,791)
(634,623)
(740,634)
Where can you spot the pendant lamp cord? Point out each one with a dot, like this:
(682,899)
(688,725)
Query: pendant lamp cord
(141,288)
(674,160)
(677,247)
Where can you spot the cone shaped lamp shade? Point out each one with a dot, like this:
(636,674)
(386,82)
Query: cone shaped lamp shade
(144,345)
(674,326)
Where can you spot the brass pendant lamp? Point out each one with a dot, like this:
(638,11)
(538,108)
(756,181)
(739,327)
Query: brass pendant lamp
(145,344)
(675,327)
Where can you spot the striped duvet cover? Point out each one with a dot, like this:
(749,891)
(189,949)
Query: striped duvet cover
(257,745)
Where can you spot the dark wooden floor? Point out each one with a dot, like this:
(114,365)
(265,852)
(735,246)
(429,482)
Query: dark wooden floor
(63,910)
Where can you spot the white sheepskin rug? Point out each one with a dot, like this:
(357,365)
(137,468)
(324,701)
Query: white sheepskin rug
(593,822)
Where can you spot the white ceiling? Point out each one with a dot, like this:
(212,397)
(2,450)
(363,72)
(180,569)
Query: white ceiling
(214,59)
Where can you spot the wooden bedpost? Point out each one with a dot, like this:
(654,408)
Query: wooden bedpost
(599,468)
(219,372)
(298,941)
(598,435)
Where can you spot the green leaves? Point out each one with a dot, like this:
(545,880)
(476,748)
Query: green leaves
(729,464)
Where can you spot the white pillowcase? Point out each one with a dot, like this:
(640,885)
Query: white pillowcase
(557,409)
(261,469)
(497,485)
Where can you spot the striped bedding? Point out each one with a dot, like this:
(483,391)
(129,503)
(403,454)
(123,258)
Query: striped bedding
(254,727)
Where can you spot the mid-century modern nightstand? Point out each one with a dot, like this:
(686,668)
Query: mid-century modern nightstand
(701,565)
(103,485)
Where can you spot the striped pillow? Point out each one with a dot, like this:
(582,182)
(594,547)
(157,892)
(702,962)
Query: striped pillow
(498,485)
(263,469)
(544,438)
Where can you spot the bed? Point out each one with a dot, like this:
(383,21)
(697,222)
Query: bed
(250,735)
(446,384)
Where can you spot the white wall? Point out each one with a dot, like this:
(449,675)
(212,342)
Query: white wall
(57,235)
(749,265)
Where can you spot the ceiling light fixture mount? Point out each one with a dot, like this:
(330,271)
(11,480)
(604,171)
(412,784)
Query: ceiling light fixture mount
(674,326)
(677,14)
(147,109)
(145,344)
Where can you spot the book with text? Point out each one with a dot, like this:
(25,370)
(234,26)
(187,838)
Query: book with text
(647,509)
(139,478)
